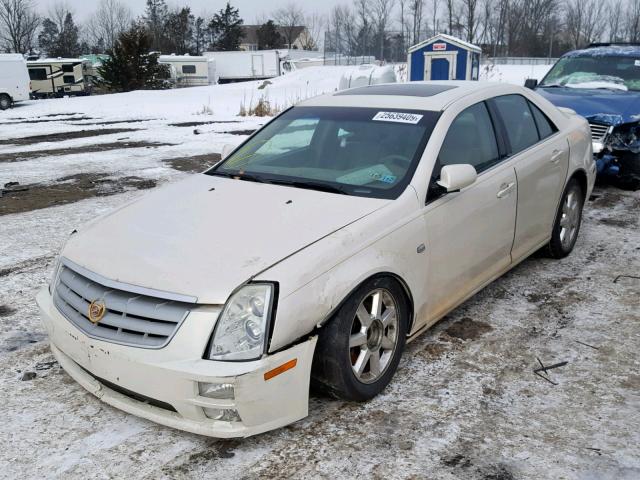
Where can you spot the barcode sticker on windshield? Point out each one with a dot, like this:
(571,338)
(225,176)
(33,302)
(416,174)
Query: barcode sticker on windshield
(398,117)
(637,63)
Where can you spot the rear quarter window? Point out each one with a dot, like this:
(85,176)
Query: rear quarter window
(546,128)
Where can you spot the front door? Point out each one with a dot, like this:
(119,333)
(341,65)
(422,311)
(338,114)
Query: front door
(469,233)
(439,69)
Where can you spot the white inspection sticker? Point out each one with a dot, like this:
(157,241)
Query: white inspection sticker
(636,63)
(398,117)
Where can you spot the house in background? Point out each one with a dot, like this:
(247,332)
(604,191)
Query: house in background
(444,57)
(300,37)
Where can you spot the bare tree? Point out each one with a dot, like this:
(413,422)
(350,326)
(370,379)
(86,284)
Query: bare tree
(416,7)
(434,16)
(18,24)
(58,13)
(584,21)
(615,20)
(382,13)
(289,18)
(633,21)
(110,19)
(470,14)
(310,39)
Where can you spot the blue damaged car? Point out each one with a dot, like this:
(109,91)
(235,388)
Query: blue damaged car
(602,83)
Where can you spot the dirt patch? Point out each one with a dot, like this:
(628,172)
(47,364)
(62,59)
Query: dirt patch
(47,120)
(199,124)
(196,164)
(617,222)
(102,147)
(6,311)
(58,137)
(110,122)
(468,329)
(68,190)
(238,132)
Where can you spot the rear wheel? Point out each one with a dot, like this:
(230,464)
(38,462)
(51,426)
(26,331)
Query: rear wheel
(568,221)
(5,101)
(359,349)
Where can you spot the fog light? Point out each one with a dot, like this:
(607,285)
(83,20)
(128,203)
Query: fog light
(222,415)
(219,391)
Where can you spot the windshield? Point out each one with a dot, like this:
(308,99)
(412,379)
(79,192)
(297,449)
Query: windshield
(614,73)
(347,150)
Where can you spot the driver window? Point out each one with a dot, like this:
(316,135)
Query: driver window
(470,140)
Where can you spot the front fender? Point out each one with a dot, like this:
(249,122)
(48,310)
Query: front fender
(338,264)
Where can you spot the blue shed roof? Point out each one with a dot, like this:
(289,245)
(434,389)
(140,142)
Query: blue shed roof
(442,37)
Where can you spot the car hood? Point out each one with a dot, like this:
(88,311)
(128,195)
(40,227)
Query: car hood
(603,106)
(205,236)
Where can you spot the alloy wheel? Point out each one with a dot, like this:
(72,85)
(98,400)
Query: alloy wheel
(374,335)
(570,219)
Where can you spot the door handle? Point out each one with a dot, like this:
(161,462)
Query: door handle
(555,156)
(505,189)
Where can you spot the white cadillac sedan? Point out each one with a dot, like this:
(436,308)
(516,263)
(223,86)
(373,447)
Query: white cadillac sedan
(314,251)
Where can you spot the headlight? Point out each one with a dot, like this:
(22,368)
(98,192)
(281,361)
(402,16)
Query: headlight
(242,329)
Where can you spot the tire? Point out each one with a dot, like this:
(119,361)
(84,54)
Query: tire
(5,102)
(344,364)
(568,220)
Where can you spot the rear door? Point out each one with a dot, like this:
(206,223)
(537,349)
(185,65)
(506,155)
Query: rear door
(541,158)
(469,233)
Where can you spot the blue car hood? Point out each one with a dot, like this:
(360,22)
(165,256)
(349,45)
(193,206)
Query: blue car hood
(602,106)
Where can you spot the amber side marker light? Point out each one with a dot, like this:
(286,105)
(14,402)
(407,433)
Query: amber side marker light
(281,369)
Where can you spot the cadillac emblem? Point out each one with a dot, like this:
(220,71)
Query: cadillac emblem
(97,309)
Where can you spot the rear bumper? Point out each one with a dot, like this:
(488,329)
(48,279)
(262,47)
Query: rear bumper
(170,378)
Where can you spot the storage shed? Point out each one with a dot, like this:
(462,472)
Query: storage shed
(444,57)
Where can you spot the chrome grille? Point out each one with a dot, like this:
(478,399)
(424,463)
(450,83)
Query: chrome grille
(598,132)
(130,318)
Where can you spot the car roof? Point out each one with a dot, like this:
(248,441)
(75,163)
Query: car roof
(606,50)
(428,95)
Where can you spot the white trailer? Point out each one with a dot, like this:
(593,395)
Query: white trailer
(57,77)
(241,66)
(189,71)
(14,80)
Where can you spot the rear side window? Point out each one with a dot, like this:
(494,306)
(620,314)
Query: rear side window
(518,121)
(471,139)
(67,67)
(69,79)
(189,69)
(545,127)
(37,74)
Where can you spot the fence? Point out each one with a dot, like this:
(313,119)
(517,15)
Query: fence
(519,60)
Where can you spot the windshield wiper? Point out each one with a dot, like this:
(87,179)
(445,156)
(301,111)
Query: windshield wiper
(323,187)
(238,176)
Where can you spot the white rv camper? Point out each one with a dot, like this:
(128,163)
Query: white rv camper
(239,66)
(14,80)
(57,77)
(189,71)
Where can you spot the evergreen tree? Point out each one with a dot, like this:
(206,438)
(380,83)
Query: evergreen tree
(199,35)
(154,18)
(179,32)
(130,66)
(68,44)
(48,37)
(268,36)
(225,29)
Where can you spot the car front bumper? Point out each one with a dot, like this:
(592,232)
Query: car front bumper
(162,385)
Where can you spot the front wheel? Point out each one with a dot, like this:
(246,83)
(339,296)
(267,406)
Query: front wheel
(5,102)
(568,221)
(359,349)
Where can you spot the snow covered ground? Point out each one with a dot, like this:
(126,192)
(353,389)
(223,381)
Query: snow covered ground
(465,402)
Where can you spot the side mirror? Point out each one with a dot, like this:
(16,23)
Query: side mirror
(457,177)
(227,148)
(531,83)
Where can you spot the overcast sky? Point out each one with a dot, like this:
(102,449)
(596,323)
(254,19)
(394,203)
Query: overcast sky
(249,9)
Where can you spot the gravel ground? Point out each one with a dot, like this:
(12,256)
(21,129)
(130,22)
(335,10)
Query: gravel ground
(465,402)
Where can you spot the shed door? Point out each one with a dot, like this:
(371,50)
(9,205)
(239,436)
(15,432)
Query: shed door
(439,69)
